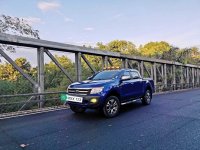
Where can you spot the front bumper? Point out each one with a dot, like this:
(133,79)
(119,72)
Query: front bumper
(86,103)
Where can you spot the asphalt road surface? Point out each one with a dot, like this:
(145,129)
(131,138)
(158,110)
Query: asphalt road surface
(172,121)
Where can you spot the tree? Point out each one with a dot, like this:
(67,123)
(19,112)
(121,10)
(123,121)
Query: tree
(16,26)
(121,46)
(8,72)
(54,77)
(155,49)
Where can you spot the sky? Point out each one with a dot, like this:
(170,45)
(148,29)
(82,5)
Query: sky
(86,22)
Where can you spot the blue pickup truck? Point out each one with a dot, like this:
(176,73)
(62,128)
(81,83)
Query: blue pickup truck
(107,90)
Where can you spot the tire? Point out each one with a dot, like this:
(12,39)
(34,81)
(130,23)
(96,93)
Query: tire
(111,107)
(146,99)
(77,109)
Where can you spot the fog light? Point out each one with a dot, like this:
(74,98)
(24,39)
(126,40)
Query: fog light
(93,100)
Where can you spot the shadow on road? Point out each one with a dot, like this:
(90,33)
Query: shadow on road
(95,115)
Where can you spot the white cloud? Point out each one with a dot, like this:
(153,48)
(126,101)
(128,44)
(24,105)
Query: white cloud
(66,19)
(47,6)
(89,29)
(117,16)
(33,20)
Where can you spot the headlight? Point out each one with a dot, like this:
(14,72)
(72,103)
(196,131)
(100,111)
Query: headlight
(96,90)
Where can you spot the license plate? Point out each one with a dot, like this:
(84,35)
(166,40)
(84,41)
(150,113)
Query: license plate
(74,99)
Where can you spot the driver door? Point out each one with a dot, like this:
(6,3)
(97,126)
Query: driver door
(126,87)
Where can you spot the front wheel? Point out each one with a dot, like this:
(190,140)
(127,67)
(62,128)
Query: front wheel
(146,99)
(77,109)
(111,107)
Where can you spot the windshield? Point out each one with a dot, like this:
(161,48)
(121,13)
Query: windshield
(106,75)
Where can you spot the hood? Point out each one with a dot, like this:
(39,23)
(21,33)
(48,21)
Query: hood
(90,83)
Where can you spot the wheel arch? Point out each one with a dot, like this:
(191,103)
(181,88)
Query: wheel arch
(114,93)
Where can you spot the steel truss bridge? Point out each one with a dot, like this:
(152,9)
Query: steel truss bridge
(167,75)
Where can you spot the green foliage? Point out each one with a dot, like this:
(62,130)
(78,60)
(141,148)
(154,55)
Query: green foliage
(8,72)
(155,49)
(122,46)
(54,77)
(6,87)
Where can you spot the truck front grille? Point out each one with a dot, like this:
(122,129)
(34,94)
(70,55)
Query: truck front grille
(79,91)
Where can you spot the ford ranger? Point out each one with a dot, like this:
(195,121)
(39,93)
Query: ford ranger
(107,90)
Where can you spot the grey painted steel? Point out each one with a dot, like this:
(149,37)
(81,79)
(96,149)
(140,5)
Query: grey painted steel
(182,75)
(159,73)
(125,63)
(58,65)
(149,74)
(165,74)
(40,60)
(190,72)
(198,76)
(187,72)
(138,66)
(193,75)
(154,74)
(88,63)
(78,66)
(31,94)
(162,72)
(142,68)
(36,43)
(28,101)
(104,62)
(18,68)
(110,62)
(174,73)
(130,65)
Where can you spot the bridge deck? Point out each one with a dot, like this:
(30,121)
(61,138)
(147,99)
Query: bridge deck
(172,121)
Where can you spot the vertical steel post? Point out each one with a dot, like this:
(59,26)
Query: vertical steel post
(198,81)
(138,66)
(182,81)
(193,77)
(187,76)
(162,72)
(104,62)
(142,68)
(40,60)
(174,76)
(125,63)
(151,70)
(165,74)
(155,74)
(78,66)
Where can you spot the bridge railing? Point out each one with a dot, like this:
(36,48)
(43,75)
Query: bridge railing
(167,75)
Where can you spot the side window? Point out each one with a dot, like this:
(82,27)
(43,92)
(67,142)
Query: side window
(135,74)
(126,73)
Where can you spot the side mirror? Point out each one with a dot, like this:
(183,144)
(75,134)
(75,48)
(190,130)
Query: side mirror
(136,77)
(89,78)
(124,78)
